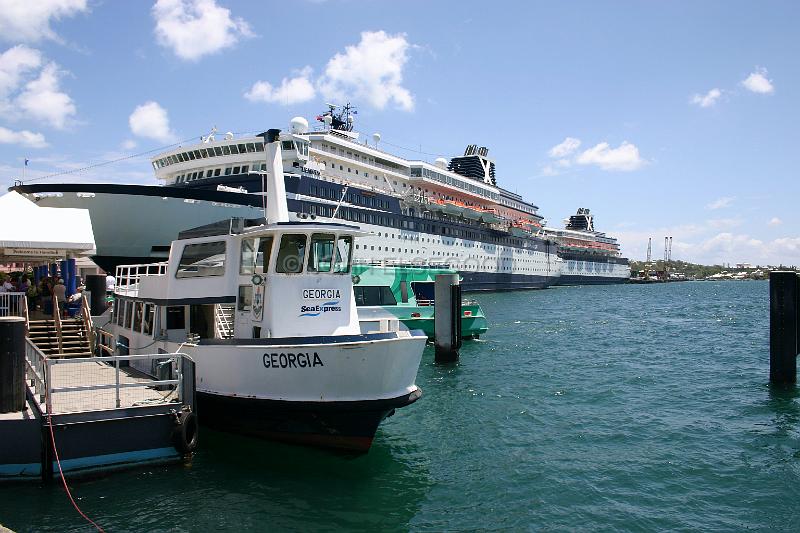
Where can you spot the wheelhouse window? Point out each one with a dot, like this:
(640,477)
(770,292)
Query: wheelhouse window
(321,253)
(291,253)
(137,316)
(365,295)
(128,313)
(245,299)
(202,259)
(148,319)
(344,253)
(255,255)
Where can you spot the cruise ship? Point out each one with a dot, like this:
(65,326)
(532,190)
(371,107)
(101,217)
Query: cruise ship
(449,214)
(589,256)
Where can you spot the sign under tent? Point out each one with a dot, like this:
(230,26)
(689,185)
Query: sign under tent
(47,239)
(33,234)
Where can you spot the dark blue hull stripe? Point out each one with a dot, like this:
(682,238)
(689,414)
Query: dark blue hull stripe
(567,279)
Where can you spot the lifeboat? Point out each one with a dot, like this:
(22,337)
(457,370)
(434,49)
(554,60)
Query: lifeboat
(518,230)
(490,216)
(436,205)
(452,208)
(472,212)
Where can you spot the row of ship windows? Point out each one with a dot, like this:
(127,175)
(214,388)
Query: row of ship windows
(354,215)
(356,199)
(419,172)
(453,242)
(450,181)
(204,153)
(214,172)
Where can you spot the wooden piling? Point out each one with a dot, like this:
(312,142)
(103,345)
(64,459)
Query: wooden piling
(12,364)
(783,327)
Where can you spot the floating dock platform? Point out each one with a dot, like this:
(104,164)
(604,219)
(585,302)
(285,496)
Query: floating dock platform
(76,415)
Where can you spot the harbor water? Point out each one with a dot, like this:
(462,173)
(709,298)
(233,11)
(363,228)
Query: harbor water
(618,408)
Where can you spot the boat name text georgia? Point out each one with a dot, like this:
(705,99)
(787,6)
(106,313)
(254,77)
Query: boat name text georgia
(321,294)
(292,360)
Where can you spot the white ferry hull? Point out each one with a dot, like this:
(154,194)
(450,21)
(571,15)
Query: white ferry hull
(332,395)
(321,391)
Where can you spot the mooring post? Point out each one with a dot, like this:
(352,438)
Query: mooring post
(447,318)
(96,284)
(783,327)
(12,364)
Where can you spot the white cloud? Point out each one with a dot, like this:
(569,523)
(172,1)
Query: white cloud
(195,28)
(150,120)
(14,64)
(758,82)
(42,98)
(23,138)
(30,21)
(775,221)
(291,90)
(708,99)
(625,157)
(720,203)
(128,144)
(567,147)
(370,71)
(711,242)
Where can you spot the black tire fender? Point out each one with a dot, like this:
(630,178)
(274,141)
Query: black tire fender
(184,436)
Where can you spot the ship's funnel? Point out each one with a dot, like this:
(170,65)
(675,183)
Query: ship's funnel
(277,210)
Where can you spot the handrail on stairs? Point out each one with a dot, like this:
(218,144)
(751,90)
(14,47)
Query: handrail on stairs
(88,325)
(25,314)
(57,320)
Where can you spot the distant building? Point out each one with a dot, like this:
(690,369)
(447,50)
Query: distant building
(745,266)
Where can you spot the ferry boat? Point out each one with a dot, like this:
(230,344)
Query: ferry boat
(590,256)
(268,314)
(450,213)
(407,293)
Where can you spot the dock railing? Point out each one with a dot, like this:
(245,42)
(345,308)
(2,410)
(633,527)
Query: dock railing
(13,304)
(84,384)
(128,276)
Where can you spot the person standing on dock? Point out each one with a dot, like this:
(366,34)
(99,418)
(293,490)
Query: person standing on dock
(60,292)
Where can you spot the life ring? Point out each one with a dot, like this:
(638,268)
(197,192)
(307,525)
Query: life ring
(184,436)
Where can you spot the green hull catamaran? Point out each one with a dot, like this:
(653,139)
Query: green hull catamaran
(407,292)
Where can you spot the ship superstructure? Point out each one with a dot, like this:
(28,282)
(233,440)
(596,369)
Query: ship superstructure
(449,213)
(589,256)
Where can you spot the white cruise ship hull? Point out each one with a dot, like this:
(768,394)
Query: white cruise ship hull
(134,224)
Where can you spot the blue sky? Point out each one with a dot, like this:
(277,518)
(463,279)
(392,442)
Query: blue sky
(671,118)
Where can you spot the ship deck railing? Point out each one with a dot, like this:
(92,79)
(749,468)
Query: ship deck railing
(87,384)
(128,276)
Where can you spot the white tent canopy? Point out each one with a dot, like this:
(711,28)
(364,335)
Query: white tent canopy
(29,233)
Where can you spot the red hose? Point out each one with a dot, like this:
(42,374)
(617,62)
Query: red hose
(63,479)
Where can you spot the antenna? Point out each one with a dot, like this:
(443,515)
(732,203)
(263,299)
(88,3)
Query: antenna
(649,248)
